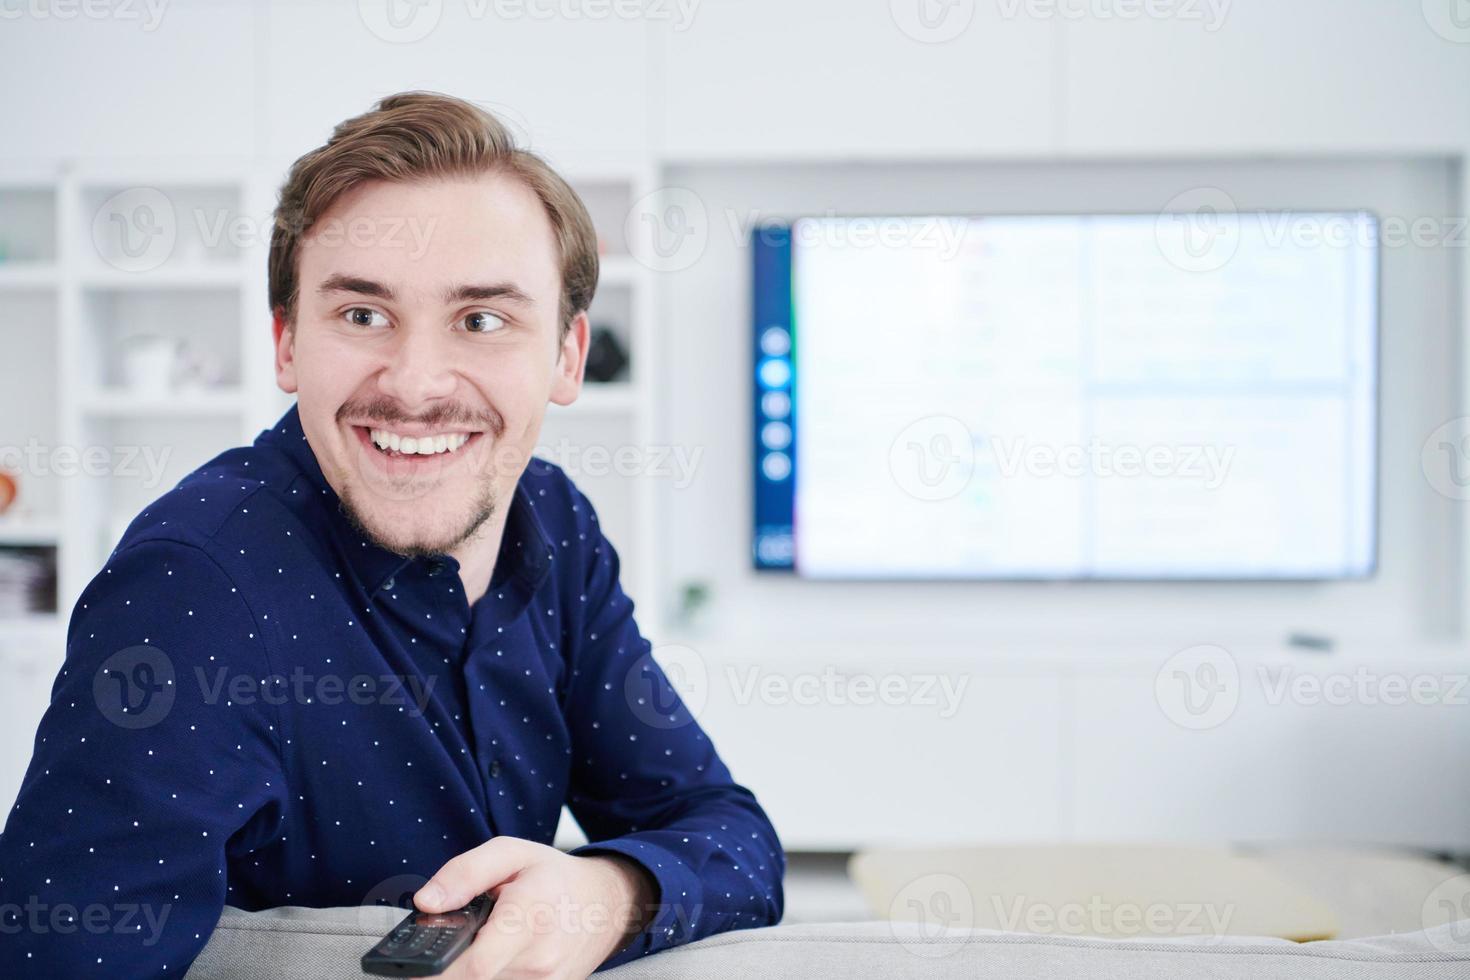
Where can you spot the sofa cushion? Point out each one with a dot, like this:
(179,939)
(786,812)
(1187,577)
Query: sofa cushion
(1107,890)
(326,943)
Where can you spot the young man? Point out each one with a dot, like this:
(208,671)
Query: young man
(377,649)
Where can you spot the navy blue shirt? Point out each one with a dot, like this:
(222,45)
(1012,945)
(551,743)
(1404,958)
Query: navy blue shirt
(260,708)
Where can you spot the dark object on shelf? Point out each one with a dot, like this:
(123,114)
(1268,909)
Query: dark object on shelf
(1315,642)
(27,580)
(606,358)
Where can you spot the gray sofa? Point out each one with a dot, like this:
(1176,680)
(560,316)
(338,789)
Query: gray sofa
(322,944)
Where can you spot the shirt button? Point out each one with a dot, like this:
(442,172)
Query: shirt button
(388,584)
(494,770)
(436,567)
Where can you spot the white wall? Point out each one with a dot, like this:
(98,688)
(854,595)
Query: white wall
(750,79)
(1046,746)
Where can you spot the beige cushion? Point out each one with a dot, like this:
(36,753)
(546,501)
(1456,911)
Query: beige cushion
(1091,890)
(1368,891)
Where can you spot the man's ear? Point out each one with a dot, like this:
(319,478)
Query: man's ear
(285,336)
(571,361)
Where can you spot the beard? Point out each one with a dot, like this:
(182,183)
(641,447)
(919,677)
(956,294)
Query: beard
(482,511)
(386,413)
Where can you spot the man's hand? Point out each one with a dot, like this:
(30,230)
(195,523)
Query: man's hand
(555,915)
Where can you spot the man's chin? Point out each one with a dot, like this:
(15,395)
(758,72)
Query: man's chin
(405,531)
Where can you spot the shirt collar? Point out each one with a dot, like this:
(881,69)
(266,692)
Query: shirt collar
(524,559)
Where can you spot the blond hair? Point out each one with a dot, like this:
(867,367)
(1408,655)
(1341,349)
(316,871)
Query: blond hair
(416,136)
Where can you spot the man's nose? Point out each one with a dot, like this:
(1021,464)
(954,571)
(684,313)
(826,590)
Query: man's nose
(419,367)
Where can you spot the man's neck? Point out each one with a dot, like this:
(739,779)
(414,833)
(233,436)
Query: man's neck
(477,554)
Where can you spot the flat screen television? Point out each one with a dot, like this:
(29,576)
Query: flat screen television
(1066,397)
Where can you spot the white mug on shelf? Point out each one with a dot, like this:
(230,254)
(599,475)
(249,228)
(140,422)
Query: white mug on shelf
(149,364)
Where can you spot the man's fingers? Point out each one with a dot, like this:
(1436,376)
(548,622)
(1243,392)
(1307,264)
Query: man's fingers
(498,944)
(466,875)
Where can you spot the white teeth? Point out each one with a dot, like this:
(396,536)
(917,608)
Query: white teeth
(418,445)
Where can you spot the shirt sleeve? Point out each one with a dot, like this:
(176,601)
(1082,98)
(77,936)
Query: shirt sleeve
(146,775)
(648,784)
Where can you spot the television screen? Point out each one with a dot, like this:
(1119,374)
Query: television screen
(1103,396)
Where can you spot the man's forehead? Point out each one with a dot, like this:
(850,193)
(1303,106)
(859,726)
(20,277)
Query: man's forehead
(431,239)
(504,194)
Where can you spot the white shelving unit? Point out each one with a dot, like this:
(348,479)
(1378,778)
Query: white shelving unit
(150,258)
(31,529)
(95,260)
(618,415)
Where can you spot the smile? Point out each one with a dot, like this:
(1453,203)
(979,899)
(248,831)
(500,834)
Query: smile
(414,448)
(427,444)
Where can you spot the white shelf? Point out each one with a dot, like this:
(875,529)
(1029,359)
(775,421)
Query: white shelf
(601,398)
(224,275)
(33,623)
(127,404)
(620,271)
(26,532)
(27,275)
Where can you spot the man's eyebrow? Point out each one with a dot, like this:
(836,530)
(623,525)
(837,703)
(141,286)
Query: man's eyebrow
(355,284)
(495,290)
(340,283)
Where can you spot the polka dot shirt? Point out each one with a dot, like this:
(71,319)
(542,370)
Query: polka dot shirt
(259,707)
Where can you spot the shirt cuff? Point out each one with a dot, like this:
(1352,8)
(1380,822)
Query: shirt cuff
(675,919)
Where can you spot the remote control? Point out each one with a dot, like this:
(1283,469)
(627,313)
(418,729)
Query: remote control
(425,943)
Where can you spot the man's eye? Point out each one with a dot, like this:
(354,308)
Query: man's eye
(361,316)
(482,322)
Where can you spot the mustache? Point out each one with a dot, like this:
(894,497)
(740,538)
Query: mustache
(440,416)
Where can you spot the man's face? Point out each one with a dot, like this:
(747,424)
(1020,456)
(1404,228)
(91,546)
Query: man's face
(426,346)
